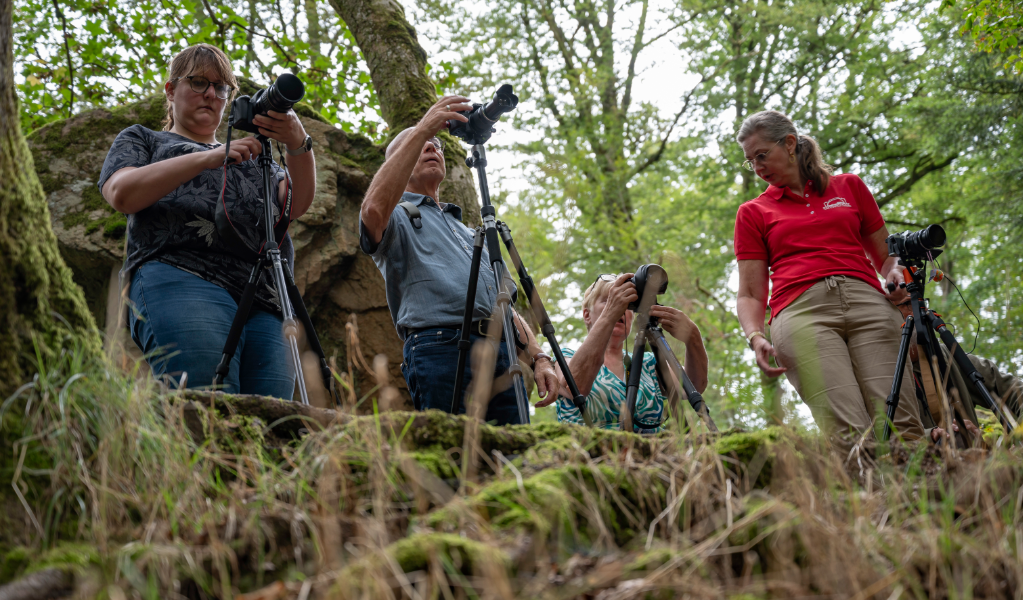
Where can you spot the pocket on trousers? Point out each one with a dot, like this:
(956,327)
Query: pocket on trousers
(439,338)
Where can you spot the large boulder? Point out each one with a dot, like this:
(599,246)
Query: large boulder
(337,280)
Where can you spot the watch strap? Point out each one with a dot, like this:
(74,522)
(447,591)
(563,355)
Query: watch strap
(306,146)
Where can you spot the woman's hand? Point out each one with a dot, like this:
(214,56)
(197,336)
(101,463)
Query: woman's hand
(547,383)
(897,277)
(286,128)
(675,322)
(621,294)
(241,150)
(765,351)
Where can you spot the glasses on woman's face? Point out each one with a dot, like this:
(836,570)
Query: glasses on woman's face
(200,84)
(605,277)
(439,145)
(760,159)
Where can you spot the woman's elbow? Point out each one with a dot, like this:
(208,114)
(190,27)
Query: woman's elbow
(116,198)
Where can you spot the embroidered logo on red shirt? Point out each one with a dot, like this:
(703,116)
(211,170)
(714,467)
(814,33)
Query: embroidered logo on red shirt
(836,202)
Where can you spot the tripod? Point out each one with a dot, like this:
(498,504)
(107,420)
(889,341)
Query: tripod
(926,322)
(477,159)
(287,294)
(669,369)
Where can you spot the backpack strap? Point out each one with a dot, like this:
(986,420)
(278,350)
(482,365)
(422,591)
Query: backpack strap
(413,214)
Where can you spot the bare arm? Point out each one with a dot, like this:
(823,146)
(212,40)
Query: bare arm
(751,307)
(543,370)
(587,360)
(682,328)
(389,183)
(287,129)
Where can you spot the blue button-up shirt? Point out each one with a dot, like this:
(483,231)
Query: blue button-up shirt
(426,271)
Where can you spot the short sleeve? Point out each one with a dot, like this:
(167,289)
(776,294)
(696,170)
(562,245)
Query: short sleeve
(870,215)
(749,242)
(393,226)
(133,147)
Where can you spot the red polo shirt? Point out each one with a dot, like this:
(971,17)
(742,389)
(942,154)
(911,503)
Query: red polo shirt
(804,239)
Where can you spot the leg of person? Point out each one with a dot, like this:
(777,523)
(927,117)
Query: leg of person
(808,335)
(266,368)
(430,359)
(874,333)
(503,408)
(180,322)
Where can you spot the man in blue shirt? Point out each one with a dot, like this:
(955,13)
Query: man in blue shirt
(426,271)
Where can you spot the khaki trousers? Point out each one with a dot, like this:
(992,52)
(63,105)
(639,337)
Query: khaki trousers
(839,341)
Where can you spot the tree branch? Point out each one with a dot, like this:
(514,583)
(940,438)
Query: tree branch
(70,65)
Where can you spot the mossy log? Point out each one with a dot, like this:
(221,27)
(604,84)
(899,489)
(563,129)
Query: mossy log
(286,419)
(48,584)
(40,304)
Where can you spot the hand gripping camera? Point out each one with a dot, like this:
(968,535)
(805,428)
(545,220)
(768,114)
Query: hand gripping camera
(482,117)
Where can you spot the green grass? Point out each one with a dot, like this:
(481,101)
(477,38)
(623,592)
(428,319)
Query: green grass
(117,490)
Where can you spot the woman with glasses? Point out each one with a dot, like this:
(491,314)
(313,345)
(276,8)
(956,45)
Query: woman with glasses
(184,279)
(599,365)
(822,239)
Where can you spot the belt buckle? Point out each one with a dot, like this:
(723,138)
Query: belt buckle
(482,326)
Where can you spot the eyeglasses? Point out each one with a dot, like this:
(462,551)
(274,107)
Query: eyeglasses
(760,158)
(605,277)
(439,145)
(200,84)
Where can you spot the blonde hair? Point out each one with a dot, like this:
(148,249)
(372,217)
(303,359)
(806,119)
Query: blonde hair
(774,126)
(598,290)
(198,60)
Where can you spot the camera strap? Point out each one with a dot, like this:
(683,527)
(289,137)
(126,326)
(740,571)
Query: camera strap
(413,214)
(225,227)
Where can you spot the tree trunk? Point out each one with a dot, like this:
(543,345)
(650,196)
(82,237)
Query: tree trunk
(397,67)
(41,305)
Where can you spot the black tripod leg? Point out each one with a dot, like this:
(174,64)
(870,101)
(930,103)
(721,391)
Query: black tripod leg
(971,372)
(546,327)
(504,303)
(663,352)
(241,316)
(314,340)
(470,308)
(900,368)
(626,415)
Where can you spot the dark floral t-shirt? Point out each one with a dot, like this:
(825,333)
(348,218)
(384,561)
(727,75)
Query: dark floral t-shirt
(180,229)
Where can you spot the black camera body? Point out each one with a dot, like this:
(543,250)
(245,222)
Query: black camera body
(279,97)
(482,117)
(917,245)
(648,274)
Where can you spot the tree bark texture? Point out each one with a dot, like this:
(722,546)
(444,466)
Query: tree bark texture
(336,279)
(40,304)
(397,67)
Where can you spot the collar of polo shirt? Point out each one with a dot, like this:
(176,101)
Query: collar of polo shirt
(776,193)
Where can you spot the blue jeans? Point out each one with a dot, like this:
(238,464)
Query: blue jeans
(181,322)
(431,356)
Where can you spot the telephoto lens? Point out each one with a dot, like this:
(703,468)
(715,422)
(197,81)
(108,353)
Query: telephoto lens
(280,96)
(917,244)
(650,273)
(482,117)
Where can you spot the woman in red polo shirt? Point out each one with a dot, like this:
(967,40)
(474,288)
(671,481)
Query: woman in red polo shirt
(822,236)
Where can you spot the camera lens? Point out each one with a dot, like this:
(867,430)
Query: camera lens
(279,97)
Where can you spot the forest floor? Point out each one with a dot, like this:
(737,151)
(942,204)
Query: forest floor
(119,489)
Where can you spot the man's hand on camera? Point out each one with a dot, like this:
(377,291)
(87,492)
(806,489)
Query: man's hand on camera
(675,322)
(444,110)
(241,150)
(286,128)
(765,351)
(896,276)
(621,294)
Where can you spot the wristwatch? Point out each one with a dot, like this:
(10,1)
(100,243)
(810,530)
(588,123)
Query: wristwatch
(306,146)
(753,336)
(540,355)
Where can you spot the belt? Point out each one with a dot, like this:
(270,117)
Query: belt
(478,327)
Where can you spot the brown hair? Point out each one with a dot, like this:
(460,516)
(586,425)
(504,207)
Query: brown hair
(774,126)
(197,60)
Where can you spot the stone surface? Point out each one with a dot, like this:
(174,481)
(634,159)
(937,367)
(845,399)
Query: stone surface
(336,279)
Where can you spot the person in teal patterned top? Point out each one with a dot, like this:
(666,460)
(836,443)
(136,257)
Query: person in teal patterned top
(599,364)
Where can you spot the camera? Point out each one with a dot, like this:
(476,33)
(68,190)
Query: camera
(917,244)
(651,274)
(279,97)
(482,117)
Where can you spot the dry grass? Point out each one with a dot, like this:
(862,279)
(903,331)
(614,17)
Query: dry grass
(407,505)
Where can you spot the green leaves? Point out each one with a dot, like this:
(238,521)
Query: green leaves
(118,51)
(995,26)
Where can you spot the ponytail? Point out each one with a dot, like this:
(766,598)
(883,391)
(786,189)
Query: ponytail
(774,126)
(811,163)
